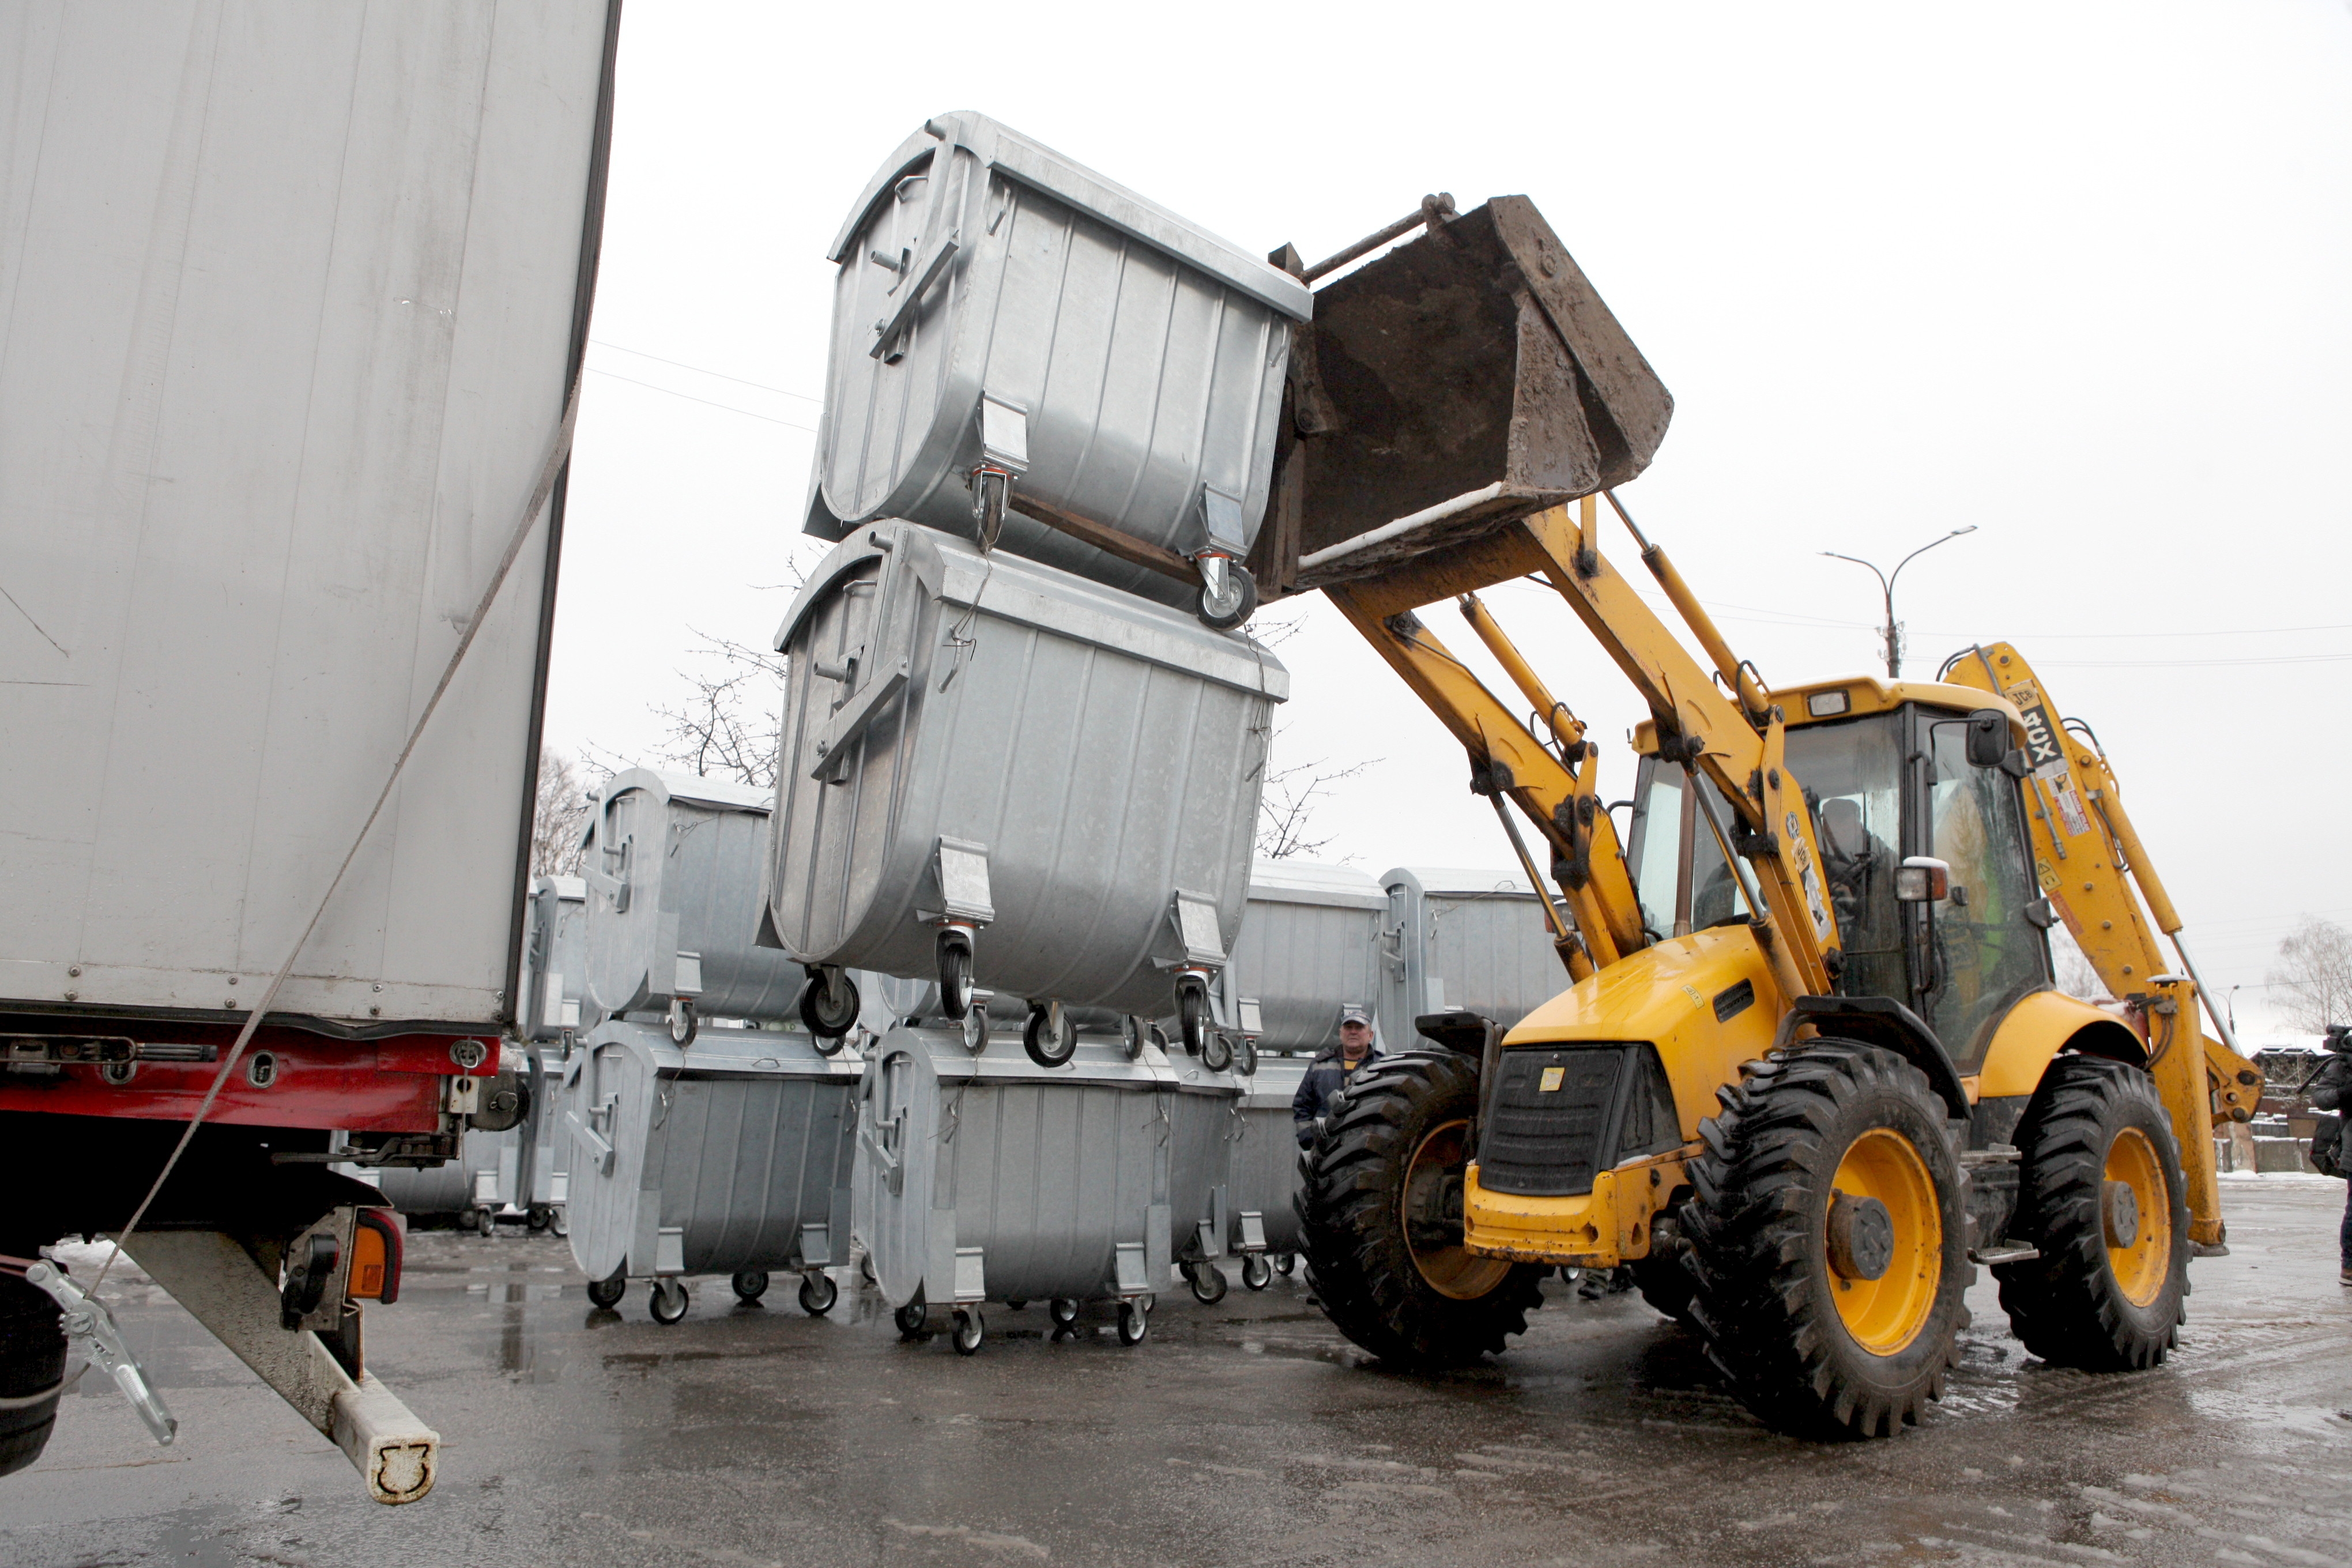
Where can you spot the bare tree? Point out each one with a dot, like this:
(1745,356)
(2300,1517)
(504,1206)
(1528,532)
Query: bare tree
(561,813)
(2311,987)
(729,724)
(1287,806)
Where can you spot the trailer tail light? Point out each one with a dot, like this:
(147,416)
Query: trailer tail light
(375,1257)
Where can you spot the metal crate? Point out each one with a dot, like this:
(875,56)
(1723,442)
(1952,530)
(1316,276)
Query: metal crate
(982,1177)
(729,1156)
(672,867)
(1463,940)
(1308,948)
(997,305)
(988,745)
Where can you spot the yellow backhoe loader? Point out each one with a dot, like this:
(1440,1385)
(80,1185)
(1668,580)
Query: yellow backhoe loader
(1812,1067)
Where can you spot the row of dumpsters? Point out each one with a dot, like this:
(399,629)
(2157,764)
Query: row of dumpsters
(937,1159)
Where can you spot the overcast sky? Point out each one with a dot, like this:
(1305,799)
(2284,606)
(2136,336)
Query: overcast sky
(2075,274)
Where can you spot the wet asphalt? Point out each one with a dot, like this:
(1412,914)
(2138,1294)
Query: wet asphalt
(1246,1432)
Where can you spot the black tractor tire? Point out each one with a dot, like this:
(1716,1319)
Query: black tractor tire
(2069,1306)
(32,1359)
(1766,1292)
(1411,1297)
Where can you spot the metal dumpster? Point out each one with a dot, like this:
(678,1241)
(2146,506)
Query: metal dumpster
(1000,310)
(1265,1223)
(543,1189)
(476,1187)
(1464,940)
(984,1177)
(1002,773)
(728,1156)
(672,868)
(1308,948)
(1203,1111)
(554,959)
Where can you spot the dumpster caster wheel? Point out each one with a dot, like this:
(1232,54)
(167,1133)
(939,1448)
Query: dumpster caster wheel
(1286,1263)
(818,1293)
(1063,1311)
(1193,1016)
(1208,1282)
(486,1221)
(607,1293)
(1227,603)
(968,1331)
(559,1222)
(751,1284)
(540,1218)
(909,1318)
(683,1024)
(1018,1304)
(1134,1322)
(829,1005)
(955,973)
(1049,1037)
(1216,1052)
(866,1268)
(668,1302)
(1256,1272)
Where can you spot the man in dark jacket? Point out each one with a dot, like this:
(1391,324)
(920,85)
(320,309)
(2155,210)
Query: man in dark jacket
(1329,1072)
(2331,1090)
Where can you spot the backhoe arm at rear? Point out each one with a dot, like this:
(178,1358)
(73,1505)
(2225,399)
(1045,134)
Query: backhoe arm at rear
(2088,858)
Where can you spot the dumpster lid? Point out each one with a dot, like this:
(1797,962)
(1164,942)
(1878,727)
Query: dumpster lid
(1455,881)
(1031,163)
(724,794)
(1307,882)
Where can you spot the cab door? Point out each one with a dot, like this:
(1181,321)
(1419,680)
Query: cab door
(1975,953)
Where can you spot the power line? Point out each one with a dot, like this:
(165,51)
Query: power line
(730,408)
(704,370)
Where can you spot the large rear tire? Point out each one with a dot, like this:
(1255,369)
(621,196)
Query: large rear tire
(1379,1211)
(2100,1194)
(1829,1244)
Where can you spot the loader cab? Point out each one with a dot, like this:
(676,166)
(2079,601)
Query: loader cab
(1886,768)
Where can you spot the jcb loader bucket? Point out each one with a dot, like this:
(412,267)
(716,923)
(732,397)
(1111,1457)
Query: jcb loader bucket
(1465,379)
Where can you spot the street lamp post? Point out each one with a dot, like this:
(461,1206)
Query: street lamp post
(1893,633)
(2232,1004)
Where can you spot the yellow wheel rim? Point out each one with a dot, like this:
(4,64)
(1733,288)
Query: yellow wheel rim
(1432,1212)
(2140,1269)
(1886,1314)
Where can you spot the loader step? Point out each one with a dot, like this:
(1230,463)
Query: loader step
(2004,1252)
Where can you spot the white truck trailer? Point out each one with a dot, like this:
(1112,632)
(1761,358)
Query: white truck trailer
(293,305)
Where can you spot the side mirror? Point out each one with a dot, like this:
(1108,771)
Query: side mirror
(2041,912)
(1922,879)
(1988,738)
(2016,765)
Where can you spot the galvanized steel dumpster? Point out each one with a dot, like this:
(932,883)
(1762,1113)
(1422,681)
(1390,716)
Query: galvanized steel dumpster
(1308,947)
(672,867)
(1000,308)
(1265,1172)
(982,1177)
(482,1181)
(729,1156)
(1203,1111)
(1463,940)
(984,750)
(554,959)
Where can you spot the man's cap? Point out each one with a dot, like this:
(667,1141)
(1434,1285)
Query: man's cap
(1355,1016)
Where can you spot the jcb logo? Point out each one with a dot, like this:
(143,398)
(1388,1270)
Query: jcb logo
(2042,746)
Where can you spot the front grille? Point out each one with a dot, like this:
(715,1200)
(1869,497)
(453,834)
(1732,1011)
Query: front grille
(1548,1120)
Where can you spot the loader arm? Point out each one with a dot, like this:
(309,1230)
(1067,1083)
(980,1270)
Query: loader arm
(2088,858)
(1737,740)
